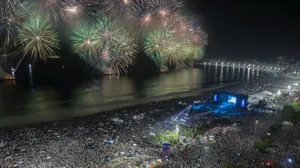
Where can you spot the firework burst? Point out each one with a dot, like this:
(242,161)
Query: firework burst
(189,35)
(107,29)
(180,25)
(106,46)
(163,48)
(86,41)
(38,38)
(123,53)
(118,45)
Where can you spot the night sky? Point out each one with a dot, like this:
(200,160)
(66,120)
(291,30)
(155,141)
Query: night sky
(261,30)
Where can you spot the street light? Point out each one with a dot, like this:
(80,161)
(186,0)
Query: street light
(256,122)
(177,130)
(289,87)
(13,73)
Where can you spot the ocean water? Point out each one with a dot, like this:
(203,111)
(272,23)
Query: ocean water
(17,100)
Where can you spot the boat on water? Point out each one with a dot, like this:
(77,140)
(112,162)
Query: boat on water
(5,76)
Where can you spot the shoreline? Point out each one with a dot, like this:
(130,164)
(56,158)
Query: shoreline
(62,114)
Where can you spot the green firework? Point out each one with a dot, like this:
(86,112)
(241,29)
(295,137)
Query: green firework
(86,40)
(201,52)
(157,45)
(118,45)
(38,38)
(108,31)
(163,48)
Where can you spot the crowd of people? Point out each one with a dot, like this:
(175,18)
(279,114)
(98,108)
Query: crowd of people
(123,137)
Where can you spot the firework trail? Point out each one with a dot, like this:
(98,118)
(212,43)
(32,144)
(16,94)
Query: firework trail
(65,10)
(13,13)
(116,7)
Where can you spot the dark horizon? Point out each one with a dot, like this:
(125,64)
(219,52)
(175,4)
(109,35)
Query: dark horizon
(261,30)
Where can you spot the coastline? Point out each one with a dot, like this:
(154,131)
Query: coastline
(69,113)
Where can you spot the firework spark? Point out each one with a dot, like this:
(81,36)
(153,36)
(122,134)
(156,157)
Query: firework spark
(164,7)
(63,9)
(116,7)
(38,38)
(202,38)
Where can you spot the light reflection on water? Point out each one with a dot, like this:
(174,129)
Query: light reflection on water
(16,100)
